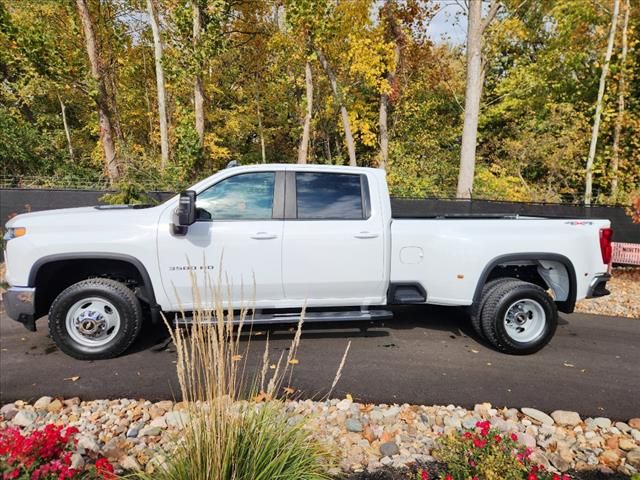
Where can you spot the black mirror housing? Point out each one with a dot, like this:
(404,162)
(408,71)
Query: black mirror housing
(185,213)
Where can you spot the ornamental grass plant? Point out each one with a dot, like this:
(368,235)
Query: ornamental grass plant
(236,428)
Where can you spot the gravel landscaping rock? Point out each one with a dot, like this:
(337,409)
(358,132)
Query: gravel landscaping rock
(624,300)
(132,433)
(389,449)
(538,416)
(353,425)
(25,418)
(42,403)
(565,418)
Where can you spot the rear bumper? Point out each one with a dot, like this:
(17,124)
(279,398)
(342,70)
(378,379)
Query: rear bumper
(20,305)
(598,286)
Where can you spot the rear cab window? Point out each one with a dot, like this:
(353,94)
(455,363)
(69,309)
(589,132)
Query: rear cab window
(331,196)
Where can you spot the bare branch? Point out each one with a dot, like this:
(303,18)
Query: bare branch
(493,10)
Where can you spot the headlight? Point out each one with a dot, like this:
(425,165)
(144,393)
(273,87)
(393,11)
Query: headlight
(15,232)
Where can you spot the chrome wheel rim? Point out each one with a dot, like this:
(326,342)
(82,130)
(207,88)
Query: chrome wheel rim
(93,322)
(525,320)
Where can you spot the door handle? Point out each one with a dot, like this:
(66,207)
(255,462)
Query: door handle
(263,236)
(366,235)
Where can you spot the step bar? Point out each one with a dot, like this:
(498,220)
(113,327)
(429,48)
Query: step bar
(309,317)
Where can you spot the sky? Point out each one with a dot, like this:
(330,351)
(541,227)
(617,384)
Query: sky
(450,24)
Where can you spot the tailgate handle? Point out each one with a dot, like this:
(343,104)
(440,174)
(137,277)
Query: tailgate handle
(263,236)
(366,235)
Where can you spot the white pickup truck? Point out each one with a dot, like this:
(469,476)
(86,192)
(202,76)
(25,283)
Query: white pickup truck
(282,237)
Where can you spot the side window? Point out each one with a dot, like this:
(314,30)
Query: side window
(329,196)
(248,196)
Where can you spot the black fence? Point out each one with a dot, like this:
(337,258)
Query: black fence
(624,229)
(21,200)
(16,200)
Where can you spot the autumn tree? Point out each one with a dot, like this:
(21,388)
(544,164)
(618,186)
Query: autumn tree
(622,91)
(101,96)
(476,28)
(599,103)
(152,9)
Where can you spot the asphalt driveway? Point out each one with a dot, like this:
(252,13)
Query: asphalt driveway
(424,355)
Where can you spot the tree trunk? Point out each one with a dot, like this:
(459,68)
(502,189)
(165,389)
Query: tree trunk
(471,101)
(598,114)
(106,131)
(384,97)
(306,129)
(263,150)
(615,158)
(67,132)
(146,98)
(198,90)
(384,134)
(351,146)
(162,102)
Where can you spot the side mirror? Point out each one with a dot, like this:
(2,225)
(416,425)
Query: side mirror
(185,213)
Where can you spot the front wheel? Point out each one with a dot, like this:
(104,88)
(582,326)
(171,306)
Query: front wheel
(519,317)
(95,319)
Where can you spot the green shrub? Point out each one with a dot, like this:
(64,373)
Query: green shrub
(487,454)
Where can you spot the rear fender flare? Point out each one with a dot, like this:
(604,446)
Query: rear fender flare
(566,306)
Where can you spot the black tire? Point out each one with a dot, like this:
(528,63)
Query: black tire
(123,300)
(496,306)
(476,311)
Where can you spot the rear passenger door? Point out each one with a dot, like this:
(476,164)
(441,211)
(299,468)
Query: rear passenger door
(333,240)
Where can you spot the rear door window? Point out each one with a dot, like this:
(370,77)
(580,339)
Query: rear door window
(329,196)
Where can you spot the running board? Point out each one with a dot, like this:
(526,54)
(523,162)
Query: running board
(309,317)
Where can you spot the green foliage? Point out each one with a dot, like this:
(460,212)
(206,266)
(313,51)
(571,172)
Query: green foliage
(542,71)
(262,446)
(482,453)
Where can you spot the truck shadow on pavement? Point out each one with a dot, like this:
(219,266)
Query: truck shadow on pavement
(451,320)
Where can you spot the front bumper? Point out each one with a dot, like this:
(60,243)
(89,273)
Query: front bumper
(598,286)
(20,305)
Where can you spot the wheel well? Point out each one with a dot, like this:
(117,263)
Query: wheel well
(53,277)
(526,273)
(549,271)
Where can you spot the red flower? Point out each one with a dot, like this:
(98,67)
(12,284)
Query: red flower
(468,435)
(11,475)
(105,469)
(448,477)
(514,437)
(532,476)
(497,438)
(479,443)
(484,427)
(424,475)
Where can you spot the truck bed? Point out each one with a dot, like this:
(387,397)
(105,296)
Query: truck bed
(408,208)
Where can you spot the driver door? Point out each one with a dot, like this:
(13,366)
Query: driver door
(234,249)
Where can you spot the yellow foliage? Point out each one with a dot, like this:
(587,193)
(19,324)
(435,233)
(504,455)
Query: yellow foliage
(216,151)
(371,58)
(494,182)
